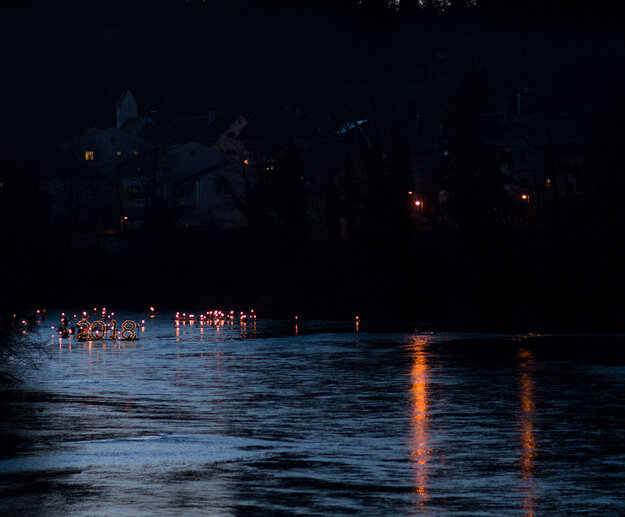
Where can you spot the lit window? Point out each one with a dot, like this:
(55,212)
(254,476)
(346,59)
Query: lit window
(118,153)
(89,156)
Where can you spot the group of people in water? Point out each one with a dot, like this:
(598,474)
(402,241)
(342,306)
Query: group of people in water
(66,328)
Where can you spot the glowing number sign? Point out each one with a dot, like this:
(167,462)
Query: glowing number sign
(129,327)
(97,330)
(83,330)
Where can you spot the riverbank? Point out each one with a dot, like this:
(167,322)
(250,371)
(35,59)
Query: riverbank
(502,281)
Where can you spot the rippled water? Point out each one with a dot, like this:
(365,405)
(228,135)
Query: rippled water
(318,420)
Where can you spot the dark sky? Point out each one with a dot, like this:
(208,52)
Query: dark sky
(65,63)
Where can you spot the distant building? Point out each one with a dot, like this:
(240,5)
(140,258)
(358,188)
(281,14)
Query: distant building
(227,128)
(200,171)
(203,186)
(129,120)
(105,149)
(126,108)
(197,128)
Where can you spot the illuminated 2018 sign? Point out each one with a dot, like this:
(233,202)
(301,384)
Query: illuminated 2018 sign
(98,330)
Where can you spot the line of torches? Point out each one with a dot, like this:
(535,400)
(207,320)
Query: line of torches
(215,317)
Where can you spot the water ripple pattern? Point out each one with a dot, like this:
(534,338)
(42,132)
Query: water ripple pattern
(273,419)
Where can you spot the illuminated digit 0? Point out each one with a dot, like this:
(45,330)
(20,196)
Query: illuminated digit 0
(98,330)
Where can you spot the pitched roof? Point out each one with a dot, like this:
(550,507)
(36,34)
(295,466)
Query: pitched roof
(270,125)
(221,124)
(184,129)
(142,126)
(205,129)
(124,93)
(192,159)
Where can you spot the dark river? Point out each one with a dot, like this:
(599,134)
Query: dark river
(270,419)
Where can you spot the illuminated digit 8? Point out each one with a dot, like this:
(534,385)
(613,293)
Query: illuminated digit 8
(98,330)
(128,332)
(83,330)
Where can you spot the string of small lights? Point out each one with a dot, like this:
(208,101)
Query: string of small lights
(213,317)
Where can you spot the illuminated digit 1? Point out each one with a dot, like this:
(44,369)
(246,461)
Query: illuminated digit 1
(113,330)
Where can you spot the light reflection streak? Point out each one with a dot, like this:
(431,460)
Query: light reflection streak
(419,418)
(526,430)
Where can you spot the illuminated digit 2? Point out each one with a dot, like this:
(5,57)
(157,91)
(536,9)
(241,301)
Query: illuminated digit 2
(83,330)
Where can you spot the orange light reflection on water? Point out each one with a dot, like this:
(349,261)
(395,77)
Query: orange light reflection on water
(419,418)
(527,435)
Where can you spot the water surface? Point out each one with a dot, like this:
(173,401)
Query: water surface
(318,419)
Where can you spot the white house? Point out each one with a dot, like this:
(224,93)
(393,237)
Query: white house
(203,182)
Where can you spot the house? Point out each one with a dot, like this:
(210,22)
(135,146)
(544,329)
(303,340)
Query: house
(197,128)
(128,119)
(544,158)
(202,185)
(138,188)
(87,190)
(225,131)
(266,129)
(105,149)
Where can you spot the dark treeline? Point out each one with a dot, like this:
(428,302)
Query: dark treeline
(64,62)
(479,260)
